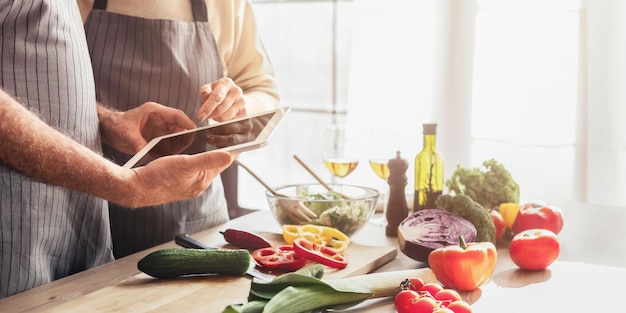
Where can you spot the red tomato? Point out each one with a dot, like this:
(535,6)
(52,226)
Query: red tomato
(432,288)
(498,221)
(460,307)
(405,300)
(534,249)
(447,296)
(533,216)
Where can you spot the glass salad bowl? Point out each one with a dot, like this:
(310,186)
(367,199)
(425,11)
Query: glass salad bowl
(347,209)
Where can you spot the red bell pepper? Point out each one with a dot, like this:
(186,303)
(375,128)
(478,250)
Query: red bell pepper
(464,267)
(533,216)
(319,253)
(279,258)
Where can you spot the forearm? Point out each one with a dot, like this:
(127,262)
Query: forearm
(245,60)
(257,102)
(30,146)
(106,118)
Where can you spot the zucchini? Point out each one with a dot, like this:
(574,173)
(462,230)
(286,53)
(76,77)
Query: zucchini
(175,262)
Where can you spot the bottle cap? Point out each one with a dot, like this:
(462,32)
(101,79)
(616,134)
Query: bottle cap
(430,129)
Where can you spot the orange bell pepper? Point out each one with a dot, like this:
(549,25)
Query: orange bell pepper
(464,267)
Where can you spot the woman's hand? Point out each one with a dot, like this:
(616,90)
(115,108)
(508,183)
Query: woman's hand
(222,100)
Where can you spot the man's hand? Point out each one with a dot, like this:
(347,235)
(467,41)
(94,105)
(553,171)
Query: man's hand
(131,130)
(174,178)
(222,100)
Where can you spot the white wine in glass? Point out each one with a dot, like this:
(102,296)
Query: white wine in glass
(341,167)
(380,168)
(334,152)
(382,147)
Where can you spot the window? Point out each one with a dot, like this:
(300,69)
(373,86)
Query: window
(533,84)
(525,93)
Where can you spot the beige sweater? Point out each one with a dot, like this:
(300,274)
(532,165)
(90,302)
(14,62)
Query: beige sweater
(243,55)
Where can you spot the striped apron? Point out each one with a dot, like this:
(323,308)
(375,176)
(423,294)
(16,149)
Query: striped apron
(48,232)
(136,60)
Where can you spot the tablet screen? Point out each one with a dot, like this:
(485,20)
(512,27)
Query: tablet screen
(237,135)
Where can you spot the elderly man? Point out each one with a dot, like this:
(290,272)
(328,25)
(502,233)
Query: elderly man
(54,183)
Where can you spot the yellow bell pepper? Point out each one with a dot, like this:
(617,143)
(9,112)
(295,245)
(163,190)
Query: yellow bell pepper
(509,212)
(323,235)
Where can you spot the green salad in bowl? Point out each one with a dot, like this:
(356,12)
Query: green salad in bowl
(347,210)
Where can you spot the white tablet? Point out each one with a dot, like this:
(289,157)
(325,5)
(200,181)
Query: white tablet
(237,135)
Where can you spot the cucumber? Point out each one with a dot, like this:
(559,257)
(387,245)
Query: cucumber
(175,262)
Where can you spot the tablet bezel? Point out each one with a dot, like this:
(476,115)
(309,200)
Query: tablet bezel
(260,141)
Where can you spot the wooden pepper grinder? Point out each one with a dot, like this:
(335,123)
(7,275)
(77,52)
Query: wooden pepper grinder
(397,209)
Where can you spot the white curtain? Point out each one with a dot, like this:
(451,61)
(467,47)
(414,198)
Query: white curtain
(606,102)
(538,85)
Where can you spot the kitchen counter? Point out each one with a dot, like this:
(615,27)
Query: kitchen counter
(592,255)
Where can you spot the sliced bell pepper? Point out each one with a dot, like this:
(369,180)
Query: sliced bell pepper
(279,258)
(464,267)
(323,235)
(318,253)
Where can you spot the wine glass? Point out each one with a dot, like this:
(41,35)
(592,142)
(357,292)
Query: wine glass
(334,152)
(382,148)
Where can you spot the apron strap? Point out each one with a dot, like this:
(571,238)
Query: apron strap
(100,4)
(199,10)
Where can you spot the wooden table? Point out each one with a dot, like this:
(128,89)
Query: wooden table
(566,286)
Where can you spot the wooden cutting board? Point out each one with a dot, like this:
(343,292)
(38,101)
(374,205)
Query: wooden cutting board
(142,293)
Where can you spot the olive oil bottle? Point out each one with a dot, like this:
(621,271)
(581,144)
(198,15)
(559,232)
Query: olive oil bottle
(428,171)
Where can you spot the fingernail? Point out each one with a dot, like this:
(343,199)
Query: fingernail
(203,116)
(204,93)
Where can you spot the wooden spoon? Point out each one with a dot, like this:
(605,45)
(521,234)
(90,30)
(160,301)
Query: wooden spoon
(318,178)
(272,190)
(294,208)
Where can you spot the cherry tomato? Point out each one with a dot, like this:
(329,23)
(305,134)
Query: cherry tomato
(460,307)
(498,221)
(534,249)
(444,300)
(447,296)
(416,284)
(424,305)
(432,288)
(405,300)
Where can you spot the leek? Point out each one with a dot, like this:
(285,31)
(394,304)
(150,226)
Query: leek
(298,292)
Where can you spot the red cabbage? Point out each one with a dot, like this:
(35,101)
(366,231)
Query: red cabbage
(426,230)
